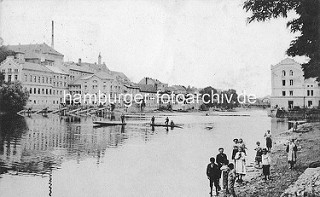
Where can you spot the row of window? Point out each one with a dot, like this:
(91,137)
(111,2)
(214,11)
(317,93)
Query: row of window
(290,82)
(43,80)
(43,101)
(10,70)
(309,93)
(44,91)
(284,73)
(10,78)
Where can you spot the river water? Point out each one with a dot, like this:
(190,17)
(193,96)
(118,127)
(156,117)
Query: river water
(59,156)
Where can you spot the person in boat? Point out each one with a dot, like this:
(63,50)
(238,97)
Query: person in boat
(122,118)
(172,123)
(167,121)
(152,120)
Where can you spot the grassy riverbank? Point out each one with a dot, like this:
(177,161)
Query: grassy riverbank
(308,141)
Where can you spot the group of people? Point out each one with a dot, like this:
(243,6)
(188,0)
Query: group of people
(221,168)
(166,121)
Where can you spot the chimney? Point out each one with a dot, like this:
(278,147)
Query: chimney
(146,80)
(99,59)
(52,36)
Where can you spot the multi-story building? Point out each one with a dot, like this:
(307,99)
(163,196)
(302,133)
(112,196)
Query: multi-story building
(161,87)
(37,79)
(289,87)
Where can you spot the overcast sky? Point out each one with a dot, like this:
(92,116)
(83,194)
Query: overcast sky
(187,42)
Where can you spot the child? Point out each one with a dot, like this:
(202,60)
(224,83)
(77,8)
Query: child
(225,170)
(213,174)
(240,158)
(258,158)
(231,180)
(266,161)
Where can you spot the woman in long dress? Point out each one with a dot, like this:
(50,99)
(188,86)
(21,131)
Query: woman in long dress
(240,158)
(292,153)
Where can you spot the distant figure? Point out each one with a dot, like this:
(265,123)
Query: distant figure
(234,150)
(268,140)
(122,118)
(152,120)
(213,174)
(295,126)
(258,158)
(167,121)
(231,180)
(240,158)
(292,153)
(172,123)
(266,161)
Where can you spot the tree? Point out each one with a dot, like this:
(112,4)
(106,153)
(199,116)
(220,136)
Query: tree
(308,24)
(210,91)
(4,52)
(13,97)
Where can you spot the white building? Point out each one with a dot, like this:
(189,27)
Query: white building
(289,87)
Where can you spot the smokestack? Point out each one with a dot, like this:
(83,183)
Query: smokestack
(52,36)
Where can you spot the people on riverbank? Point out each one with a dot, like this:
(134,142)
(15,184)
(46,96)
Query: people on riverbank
(152,120)
(266,162)
(258,158)
(240,164)
(292,153)
(267,135)
(224,171)
(231,180)
(221,159)
(234,150)
(213,174)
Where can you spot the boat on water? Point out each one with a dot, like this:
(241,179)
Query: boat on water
(166,125)
(109,123)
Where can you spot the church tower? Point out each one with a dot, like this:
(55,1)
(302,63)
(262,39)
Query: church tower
(99,59)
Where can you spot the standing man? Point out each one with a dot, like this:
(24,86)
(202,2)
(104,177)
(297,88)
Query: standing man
(152,120)
(167,121)
(122,118)
(221,160)
(292,153)
(268,140)
(213,174)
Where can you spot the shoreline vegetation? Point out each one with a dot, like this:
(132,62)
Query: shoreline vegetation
(308,142)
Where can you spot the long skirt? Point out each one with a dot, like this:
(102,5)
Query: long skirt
(268,142)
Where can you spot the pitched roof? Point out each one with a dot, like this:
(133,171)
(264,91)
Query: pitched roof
(33,49)
(34,66)
(56,70)
(147,88)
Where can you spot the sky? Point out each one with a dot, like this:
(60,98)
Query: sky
(187,42)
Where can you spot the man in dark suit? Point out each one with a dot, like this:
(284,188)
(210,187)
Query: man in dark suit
(213,174)
(221,159)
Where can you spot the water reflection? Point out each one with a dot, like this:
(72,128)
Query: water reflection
(37,145)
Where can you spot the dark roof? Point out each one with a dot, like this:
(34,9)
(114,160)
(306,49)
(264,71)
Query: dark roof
(147,88)
(34,66)
(30,49)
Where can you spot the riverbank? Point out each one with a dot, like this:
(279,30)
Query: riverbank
(308,141)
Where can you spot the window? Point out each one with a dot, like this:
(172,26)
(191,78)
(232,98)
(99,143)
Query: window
(311,92)
(283,73)
(291,93)
(291,82)
(42,91)
(54,92)
(54,83)
(85,87)
(34,79)
(16,70)
(3,70)
(34,90)
(30,91)
(308,92)
(283,93)
(46,91)
(42,79)
(9,70)
(15,77)
(47,80)
(9,78)
(39,79)
(65,84)
(50,91)
(39,91)
(283,82)
(309,103)
(291,72)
